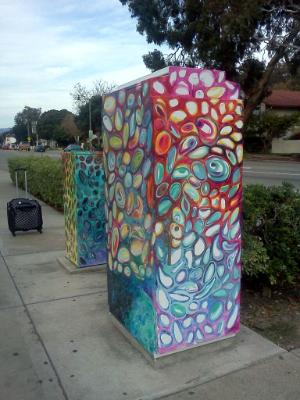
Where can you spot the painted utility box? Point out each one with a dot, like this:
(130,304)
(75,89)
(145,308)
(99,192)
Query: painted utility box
(172,159)
(84,208)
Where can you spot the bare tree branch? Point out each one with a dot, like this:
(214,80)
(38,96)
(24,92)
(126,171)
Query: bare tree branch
(257,96)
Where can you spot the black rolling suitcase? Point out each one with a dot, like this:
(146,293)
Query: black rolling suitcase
(24,214)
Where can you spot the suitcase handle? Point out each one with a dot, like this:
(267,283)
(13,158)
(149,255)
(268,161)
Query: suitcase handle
(25,206)
(17,170)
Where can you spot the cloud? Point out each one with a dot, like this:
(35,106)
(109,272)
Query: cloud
(46,47)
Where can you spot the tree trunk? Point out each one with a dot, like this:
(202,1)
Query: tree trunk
(258,94)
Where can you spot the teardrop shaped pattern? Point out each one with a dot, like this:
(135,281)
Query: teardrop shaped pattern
(109,105)
(200,152)
(165,280)
(171,159)
(177,333)
(118,119)
(188,144)
(233,318)
(199,170)
(163,143)
(185,205)
(175,191)
(215,311)
(178,216)
(207,130)
(165,320)
(181,172)
(173,200)
(178,310)
(181,276)
(164,206)
(111,161)
(158,173)
(166,339)
(209,272)
(137,160)
(162,189)
(115,142)
(191,192)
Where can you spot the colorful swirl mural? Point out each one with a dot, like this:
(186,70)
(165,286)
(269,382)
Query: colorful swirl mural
(172,158)
(84,208)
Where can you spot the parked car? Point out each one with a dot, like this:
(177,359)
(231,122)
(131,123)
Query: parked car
(9,146)
(73,147)
(39,148)
(24,146)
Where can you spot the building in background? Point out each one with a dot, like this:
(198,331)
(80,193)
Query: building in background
(10,141)
(285,103)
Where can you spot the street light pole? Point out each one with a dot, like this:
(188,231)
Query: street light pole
(90,114)
(34,131)
(90,120)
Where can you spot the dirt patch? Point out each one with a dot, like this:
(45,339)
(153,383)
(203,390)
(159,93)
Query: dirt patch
(275,315)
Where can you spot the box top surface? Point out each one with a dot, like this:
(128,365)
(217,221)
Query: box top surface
(198,83)
(83,153)
(156,74)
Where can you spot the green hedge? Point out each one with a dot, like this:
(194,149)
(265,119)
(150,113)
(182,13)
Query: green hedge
(45,178)
(271,228)
(271,234)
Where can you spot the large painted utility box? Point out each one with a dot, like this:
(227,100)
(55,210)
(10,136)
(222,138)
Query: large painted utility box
(172,159)
(84,208)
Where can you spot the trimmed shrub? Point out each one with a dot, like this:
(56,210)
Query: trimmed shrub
(256,262)
(45,178)
(271,231)
(271,234)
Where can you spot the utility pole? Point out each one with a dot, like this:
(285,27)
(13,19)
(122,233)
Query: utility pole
(90,125)
(28,129)
(34,131)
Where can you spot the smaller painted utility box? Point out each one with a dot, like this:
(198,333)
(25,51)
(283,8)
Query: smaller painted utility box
(84,208)
(172,157)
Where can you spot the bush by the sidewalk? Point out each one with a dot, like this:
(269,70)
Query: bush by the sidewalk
(45,178)
(271,234)
(271,229)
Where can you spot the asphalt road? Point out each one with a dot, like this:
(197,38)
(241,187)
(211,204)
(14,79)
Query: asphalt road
(264,172)
(272,173)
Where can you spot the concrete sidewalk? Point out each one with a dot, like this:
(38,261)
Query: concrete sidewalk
(57,341)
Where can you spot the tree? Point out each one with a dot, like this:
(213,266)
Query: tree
(58,125)
(24,122)
(223,34)
(82,117)
(263,128)
(81,94)
(49,122)
(85,98)
(20,131)
(69,126)
(286,76)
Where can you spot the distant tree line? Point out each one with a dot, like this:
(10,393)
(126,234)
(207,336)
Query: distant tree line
(63,126)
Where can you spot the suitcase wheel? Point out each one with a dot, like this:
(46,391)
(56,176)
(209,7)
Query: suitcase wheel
(13,233)
(40,230)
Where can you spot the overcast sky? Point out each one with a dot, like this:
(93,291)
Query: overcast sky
(47,46)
